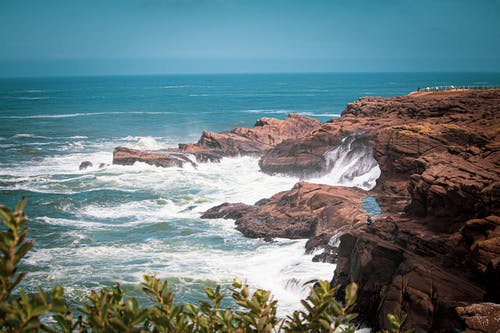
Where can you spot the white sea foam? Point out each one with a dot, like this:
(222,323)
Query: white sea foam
(27,135)
(285,111)
(351,164)
(176,86)
(30,98)
(80,114)
(74,223)
(145,142)
(272,111)
(281,267)
(181,194)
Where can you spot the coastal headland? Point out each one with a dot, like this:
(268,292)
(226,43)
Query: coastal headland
(433,252)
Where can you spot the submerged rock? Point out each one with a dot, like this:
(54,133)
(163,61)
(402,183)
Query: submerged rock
(127,156)
(84,165)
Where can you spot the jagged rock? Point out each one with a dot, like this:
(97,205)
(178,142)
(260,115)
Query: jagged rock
(402,268)
(481,317)
(387,121)
(229,211)
(266,133)
(304,211)
(445,251)
(440,157)
(127,156)
(85,164)
(212,147)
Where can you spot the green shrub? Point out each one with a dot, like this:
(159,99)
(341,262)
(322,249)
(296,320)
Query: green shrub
(109,311)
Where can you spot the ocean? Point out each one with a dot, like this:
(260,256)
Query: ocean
(112,224)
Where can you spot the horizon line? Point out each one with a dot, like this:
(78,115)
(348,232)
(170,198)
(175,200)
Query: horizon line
(44,76)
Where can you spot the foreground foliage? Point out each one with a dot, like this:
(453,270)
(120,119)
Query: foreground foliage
(109,311)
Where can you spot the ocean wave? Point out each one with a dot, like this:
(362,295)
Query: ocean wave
(79,224)
(278,111)
(176,86)
(83,114)
(33,98)
(286,111)
(263,265)
(27,135)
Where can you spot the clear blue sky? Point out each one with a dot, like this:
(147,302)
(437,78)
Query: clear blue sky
(92,37)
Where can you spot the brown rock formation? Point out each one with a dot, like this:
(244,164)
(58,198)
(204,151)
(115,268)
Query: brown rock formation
(439,157)
(161,158)
(482,317)
(445,252)
(266,133)
(306,211)
(435,253)
(212,147)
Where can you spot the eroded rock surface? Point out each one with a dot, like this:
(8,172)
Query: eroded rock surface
(436,249)
(306,211)
(212,147)
(266,133)
(445,251)
(160,158)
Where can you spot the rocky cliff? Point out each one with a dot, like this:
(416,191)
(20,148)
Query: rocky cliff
(435,251)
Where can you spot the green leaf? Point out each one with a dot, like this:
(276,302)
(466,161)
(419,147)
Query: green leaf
(20,205)
(22,250)
(351,294)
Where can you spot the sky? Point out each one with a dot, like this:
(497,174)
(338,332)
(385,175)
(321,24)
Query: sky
(120,37)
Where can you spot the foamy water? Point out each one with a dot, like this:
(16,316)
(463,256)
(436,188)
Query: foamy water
(117,223)
(156,229)
(110,223)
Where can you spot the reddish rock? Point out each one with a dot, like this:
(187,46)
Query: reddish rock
(305,211)
(266,133)
(374,117)
(402,268)
(481,317)
(439,157)
(445,252)
(231,211)
(160,158)
(212,147)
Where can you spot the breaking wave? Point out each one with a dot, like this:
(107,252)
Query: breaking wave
(351,164)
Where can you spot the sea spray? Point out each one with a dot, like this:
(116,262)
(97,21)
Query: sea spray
(351,163)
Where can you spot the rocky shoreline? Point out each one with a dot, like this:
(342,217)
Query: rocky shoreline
(434,253)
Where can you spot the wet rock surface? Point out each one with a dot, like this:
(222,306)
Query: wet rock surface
(212,147)
(307,210)
(159,158)
(445,251)
(435,251)
(84,165)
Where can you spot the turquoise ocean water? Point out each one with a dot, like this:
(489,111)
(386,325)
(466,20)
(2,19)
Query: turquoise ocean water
(113,224)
